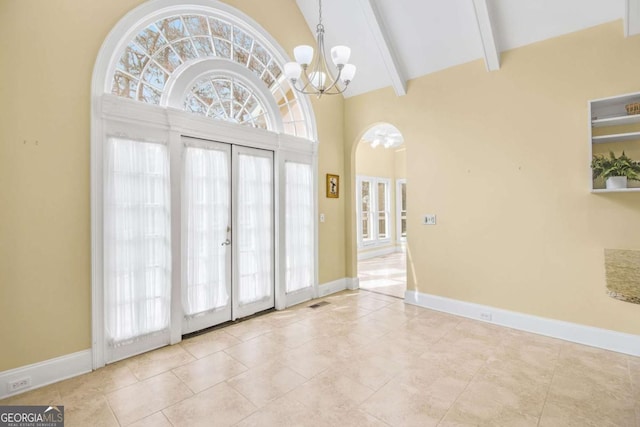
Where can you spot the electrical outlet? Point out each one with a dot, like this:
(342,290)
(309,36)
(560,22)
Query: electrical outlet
(485,316)
(19,384)
(429,219)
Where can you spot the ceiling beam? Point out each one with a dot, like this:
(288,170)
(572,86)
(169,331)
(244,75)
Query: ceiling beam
(632,18)
(381,40)
(489,45)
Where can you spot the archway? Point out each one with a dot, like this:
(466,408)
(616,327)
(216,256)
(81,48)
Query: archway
(381,210)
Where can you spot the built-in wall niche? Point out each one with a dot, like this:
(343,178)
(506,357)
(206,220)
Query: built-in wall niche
(615,127)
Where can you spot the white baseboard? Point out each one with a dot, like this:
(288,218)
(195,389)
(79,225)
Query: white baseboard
(337,286)
(581,334)
(47,372)
(374,253)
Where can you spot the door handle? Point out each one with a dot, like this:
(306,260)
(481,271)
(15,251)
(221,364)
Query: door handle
(226,242)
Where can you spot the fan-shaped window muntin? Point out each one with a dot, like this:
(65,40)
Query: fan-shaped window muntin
(151,57)
(226,98)
(156,51)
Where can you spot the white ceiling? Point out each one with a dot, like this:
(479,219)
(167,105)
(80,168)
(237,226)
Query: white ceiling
(395,40)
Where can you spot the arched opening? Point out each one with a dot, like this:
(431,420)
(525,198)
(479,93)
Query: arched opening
(203,167)
(381,210)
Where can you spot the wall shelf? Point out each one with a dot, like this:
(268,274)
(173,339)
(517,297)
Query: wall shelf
(616,121)
(616,126)
(617,137)
(619,190)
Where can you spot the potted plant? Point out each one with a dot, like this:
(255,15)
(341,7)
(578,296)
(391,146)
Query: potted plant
(615,170)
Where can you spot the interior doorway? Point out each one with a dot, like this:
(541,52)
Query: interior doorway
(381,210)
(228,242)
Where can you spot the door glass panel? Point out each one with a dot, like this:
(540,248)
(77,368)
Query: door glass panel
(137,240)
(365,197)
(403,213)
(254,228)
(207,198)
(382,210)
(299,226)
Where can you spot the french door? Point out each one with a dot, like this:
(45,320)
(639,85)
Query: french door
(227,233)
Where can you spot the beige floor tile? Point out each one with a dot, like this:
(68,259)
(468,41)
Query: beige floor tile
(555,415)
(156,420)
(634,371)
(281,319)
(103,380)
(331,391)
(47,395)
(284,412)
(576,359)
(255,352)
(142,399)
(220,405)
(391,286)
(593,396)
(291,336)
(307,361)
(351,418)
(363,359)
(266,383)
(373,302)
(389,317)
(209,371)
(249,329)
(468,415)
(371,329)
(416,402)
(91,410)
(495,400)
(158,361)
(209,343)
(409,309)
(371,370)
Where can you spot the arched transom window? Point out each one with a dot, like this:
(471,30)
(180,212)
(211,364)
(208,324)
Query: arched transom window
(169,45)
(227,99)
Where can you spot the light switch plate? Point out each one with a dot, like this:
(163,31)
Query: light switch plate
(429,219)
(321,217)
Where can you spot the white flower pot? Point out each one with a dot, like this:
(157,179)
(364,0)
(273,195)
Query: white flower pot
(616,182)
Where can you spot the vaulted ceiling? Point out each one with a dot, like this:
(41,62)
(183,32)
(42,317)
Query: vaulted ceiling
(393,41)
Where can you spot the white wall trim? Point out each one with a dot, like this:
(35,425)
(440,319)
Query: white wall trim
(338,285)
(581,334)
(46,372)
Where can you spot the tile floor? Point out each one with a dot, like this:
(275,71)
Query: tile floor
(365,359)
(384,274)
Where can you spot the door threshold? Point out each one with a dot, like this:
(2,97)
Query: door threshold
(227,323)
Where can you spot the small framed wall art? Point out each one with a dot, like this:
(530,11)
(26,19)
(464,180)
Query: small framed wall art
(333,186)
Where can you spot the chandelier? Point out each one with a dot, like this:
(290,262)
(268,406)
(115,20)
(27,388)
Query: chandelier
(317,79)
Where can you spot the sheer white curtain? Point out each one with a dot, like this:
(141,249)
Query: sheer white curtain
(207,192)
(137,240)
(254,231)
(299,226)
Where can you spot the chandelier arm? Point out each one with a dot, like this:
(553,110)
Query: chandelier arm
(334,83)
(319,80)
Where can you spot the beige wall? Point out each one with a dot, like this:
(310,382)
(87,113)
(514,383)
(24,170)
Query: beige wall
(503,159)
(47,53)
(377,161)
